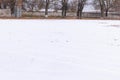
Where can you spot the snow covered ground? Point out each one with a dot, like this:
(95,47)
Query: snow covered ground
(59,50)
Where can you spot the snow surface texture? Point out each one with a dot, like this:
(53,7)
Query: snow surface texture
(59,50)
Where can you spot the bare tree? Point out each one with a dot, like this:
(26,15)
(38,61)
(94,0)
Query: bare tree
(81,4)
(18,8)
(46,8)
(12,6)
(101,3)
(64,7)
(105,6)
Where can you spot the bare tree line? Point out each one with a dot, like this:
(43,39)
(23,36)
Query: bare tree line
(105,6)
(65,6)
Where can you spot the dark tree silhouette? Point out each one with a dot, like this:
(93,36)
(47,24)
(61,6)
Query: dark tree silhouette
(81,4)
(64,8)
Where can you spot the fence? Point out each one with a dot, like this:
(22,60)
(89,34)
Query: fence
(111,15)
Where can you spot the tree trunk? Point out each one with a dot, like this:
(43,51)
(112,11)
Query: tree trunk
(65,11)
(106,13)
(102,6)
(80,9)
(18,8)
(79,14)
(62,11)
(64,8)
(46,8)
(102,11)
(2,5)
(18,11)
(12,7)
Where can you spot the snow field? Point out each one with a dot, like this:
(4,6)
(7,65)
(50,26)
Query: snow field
(59,50)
